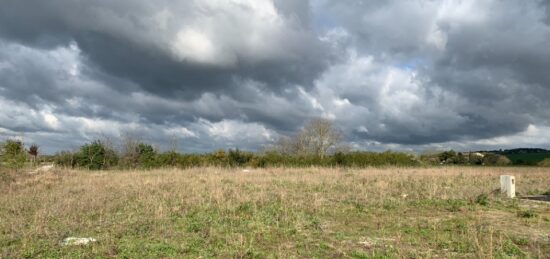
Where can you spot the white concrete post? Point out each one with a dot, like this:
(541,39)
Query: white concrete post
(508,185)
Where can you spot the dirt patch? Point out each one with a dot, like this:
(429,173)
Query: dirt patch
(43,169)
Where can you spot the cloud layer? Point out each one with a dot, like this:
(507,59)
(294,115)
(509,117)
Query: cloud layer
(217,74)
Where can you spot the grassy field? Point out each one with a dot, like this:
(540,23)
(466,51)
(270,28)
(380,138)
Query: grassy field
(275,213)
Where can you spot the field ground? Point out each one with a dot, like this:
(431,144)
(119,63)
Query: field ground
(277,213)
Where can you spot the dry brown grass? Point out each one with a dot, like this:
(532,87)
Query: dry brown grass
(212,212)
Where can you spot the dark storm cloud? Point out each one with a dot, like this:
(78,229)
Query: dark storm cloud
(116,61)
(241,72)
(134,40)
(482,64)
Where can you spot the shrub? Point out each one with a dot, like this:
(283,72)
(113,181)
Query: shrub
(146,155)
(168,159)
(365,159)
(545,162)
(174,159)
(452,157)
(96,156)
(217,158)
(526,214)
(455,158)
(496,160)
(138,155)
(239,158)
(191,160)
(65,159)
(482,199)
(474,159)
(12,154)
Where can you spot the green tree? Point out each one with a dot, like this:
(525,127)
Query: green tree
(96,156)
(146,155)
(12,154)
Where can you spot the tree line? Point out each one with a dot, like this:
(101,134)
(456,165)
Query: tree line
(318,143)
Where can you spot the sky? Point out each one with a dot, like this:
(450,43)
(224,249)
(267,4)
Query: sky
(208,74)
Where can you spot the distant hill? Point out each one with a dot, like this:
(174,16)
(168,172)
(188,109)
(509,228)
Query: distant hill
(524,151)
(524,156)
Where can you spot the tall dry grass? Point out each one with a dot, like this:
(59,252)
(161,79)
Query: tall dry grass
(315,212)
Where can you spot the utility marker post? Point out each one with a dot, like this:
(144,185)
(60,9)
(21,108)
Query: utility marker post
(508,185)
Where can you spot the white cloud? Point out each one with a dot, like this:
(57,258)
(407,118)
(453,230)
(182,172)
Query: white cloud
(181,132)
(236,131)
(195,46)
(51,120)
(533,136)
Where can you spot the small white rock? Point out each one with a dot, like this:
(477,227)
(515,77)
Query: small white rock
(77,241)
(246,171)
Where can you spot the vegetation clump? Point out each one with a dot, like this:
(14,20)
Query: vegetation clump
(526,214)
(95,156)
(482,199)
(545,162)
(317,144)
(12,154)
(452,157)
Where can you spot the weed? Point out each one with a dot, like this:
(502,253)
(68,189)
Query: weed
(482,199)
(526,214)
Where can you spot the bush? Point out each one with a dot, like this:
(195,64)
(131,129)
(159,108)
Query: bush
(526,214)
(452,158)
(65,159)
(239,158)
(455,158)
(365,159)
(96,156)
(545,162)
(482,199)
(218,158)
(496,160)
(13,154)
(168,159)
(136,154)
(146,156)
(174,159)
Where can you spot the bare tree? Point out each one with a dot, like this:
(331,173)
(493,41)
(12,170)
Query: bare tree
(317,137)
(174,143)
(129,152)
(108,144)
(285,145)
